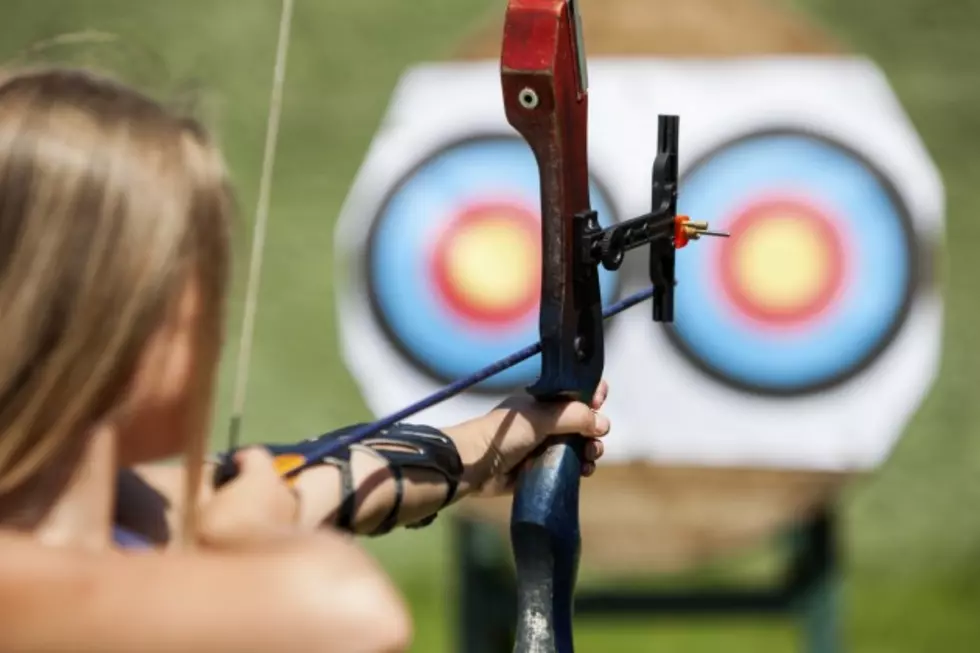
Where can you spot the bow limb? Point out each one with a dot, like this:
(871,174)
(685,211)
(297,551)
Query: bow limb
(544,84)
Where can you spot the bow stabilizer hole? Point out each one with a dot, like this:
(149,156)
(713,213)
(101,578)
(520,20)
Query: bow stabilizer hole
(528,98)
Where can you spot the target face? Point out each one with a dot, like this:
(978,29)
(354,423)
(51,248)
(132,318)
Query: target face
(816,277)
(454,260)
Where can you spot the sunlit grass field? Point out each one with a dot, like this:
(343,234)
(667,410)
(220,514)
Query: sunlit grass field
(911,533)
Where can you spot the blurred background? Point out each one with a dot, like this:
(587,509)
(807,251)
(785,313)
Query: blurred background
(908,531)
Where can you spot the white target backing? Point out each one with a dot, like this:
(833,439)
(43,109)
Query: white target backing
(806,340)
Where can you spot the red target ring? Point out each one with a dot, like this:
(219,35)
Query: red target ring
(486,263)
(786,264)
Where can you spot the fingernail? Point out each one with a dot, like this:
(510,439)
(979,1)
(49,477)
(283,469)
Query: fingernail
(601,424)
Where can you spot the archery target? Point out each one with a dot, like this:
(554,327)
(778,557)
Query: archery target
(809,338)
(816,277)
(454,260)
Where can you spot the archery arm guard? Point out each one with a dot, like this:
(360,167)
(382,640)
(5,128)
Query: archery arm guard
(402,446)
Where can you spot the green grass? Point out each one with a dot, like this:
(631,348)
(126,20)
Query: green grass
(911,532)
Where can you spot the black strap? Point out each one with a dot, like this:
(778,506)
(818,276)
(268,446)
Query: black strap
(391,520)
(348,503)
(401,446)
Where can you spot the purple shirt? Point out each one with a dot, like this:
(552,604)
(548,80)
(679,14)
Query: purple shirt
(128,539)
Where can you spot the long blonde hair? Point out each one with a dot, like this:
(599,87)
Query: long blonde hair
(107,201)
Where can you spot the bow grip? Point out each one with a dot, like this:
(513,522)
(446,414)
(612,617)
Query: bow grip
(545,536)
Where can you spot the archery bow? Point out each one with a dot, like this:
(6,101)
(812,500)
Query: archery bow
(545,87)
(545,90)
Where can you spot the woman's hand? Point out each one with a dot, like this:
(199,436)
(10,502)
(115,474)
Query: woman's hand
(494,446)
(258,505)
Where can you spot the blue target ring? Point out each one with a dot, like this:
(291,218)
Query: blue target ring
(873,263)
(444,342)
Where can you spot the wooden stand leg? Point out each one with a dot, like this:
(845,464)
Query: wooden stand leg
(816,584)
(809,593)
(486,595)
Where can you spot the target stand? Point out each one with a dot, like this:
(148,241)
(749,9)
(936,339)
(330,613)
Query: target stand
(808,591)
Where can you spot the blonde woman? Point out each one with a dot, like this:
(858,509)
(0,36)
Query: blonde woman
(114,220)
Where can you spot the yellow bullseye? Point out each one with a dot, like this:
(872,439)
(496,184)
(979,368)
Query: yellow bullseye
(490,263)
(782,263)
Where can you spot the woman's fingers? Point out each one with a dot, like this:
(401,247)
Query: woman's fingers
(576,417)
(260,479)
(256,464)
(601,392)
(593,450)
(256,505)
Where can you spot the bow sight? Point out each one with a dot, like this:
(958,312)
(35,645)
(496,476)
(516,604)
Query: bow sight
(661,228)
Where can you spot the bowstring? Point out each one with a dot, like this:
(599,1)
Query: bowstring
(259,226)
